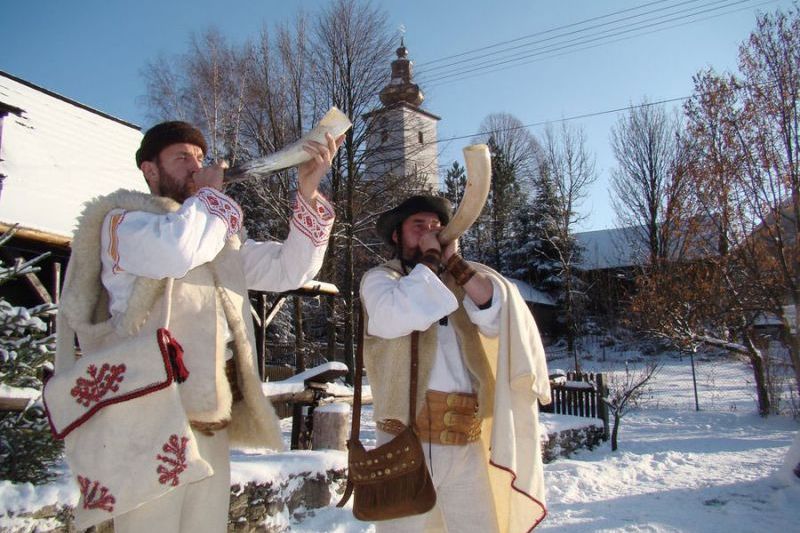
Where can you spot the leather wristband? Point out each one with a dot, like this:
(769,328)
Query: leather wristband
(432,258)
(461,271)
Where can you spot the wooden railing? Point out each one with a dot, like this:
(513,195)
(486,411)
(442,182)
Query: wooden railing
(580,395)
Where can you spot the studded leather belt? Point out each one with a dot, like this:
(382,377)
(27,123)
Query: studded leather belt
(445,418)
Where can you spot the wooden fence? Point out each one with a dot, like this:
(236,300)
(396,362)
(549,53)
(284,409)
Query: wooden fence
(580,395)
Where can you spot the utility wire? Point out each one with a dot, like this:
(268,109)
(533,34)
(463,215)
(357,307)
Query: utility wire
(591,38)
(545,32)
(550,55)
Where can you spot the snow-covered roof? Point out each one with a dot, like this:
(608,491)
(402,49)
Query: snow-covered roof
(609,248)
(529,294)
(56,154)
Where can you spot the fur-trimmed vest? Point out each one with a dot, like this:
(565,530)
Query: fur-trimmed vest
(388,361)
(202,301)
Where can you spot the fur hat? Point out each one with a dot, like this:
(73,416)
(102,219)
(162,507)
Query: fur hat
(390,220)
(162,135)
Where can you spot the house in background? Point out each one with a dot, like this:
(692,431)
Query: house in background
(610,260)
(55,154)
(543,308)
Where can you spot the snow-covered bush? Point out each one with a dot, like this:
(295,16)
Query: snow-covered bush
(27,449)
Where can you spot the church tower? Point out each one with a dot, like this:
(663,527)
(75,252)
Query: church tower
(401,136)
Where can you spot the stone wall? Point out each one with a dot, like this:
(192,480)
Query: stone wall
(271,507)
(567,442)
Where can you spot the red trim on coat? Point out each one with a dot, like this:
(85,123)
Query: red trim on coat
(163,337)
(513,486)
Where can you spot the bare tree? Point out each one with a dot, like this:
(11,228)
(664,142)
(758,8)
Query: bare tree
(624,392)
(514,139)
(570,171)
(352,50)
(649,186)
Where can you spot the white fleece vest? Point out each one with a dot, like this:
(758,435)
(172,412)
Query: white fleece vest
(196,322)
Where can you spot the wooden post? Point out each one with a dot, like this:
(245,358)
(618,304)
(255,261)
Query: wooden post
(331,425)
(602,406)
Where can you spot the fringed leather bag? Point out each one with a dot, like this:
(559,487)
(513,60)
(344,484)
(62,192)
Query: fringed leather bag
(392,480)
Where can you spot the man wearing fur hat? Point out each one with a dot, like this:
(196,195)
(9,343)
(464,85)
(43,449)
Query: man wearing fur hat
(481,372)
(188,230)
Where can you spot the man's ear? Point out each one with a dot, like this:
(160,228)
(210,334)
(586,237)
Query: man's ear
(150,172)
(394,236)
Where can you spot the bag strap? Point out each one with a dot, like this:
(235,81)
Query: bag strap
(168,302)
(355,427)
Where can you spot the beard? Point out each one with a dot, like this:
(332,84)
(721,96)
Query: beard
(409,257)
(172,186)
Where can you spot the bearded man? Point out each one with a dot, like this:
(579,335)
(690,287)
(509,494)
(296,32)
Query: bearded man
(481,372)
(188,230)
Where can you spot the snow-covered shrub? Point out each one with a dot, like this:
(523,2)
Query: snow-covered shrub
(27,449)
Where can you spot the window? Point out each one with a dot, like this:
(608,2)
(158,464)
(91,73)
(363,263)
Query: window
(420,137)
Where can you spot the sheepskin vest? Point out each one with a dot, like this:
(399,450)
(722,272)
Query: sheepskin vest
(207,299)
(388,361)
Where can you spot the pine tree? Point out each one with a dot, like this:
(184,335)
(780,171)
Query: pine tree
(27,449)
(545,266)
(504,200)
(454,183)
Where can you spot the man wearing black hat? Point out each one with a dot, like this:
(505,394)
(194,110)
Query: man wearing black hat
(190,231)
(457,310)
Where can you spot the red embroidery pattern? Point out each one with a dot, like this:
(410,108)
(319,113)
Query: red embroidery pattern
(223,207)
(92,499)
(175,463)
(87,391)
(315,224)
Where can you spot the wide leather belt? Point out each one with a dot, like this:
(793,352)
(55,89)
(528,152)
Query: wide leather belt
(445,418)
(208,428)
(449,418)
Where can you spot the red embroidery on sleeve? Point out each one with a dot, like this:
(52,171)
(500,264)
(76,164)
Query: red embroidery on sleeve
(316,223)
(223,207)
(174,462)
(87,391)
(92,499)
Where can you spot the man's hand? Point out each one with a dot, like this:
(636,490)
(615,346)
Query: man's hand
(312,171)
(449,250)
(210,176)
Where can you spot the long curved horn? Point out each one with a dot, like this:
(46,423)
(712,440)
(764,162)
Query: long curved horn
(479,179)
(334,122)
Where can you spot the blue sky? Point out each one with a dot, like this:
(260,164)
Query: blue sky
(94,51)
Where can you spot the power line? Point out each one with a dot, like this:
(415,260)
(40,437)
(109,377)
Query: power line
(570,45)
(569,119)
(540,57)
(545,32)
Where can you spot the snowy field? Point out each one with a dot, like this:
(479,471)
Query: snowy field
(677,470)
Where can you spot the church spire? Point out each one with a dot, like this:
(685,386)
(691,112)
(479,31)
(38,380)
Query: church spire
(401,87)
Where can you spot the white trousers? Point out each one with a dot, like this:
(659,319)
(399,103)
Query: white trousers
(464,500)
(200,507)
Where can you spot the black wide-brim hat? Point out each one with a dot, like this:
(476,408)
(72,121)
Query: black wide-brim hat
(390,220)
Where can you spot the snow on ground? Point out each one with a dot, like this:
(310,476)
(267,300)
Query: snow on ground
(677,469)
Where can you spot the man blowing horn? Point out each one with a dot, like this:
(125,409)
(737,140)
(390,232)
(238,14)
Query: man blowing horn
(482,371)
(187,229)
